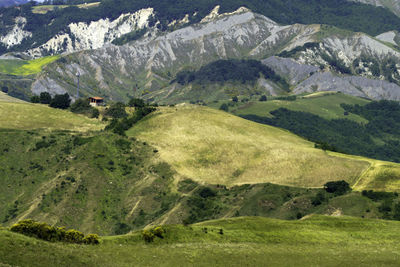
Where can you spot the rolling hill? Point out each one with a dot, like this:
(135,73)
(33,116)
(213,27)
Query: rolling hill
(210,146)
(57,168)
(324,104)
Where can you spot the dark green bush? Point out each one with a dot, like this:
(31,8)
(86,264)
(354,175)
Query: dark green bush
(338,188)
(60,101)
(45,98)
(224,107)
(116,110)
(35,99)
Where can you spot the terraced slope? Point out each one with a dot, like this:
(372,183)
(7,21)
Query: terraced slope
(214,147)
(253,241)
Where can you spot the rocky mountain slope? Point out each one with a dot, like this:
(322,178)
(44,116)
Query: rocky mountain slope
(51,30)
(147,67)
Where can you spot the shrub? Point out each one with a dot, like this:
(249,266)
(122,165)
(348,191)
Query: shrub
(45,98)
(150,235)
(91,239)
(338,188)
(117,110)
(159,232)
(4,89)
(235,99)
(35,99)
(263,98)
(207,192)
(136,102)
(224,107)
(95,113)
(82,105)
(51,233)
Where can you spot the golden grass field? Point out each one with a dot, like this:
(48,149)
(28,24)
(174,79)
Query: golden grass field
(27,116)
(211,146)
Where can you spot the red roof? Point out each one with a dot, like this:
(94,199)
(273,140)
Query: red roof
(97,98)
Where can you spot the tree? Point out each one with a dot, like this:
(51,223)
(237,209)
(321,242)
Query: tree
(117,110)
(224,107)
(45,98)
(60,101)
(4,89)
(263,98)
(338,188)
(136,102)
(81,105)
(35,99)
(235,99)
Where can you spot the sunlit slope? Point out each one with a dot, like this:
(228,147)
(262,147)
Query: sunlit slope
(25,67)
(245,241)
(324,104)
(6,98)
(28,116)
(215,147)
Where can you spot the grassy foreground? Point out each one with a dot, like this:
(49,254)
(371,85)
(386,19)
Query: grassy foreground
(210,146)
(246,241)
(25,67)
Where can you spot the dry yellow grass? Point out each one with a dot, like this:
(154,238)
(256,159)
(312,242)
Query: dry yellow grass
(212,146)
(14,115)
(6,98)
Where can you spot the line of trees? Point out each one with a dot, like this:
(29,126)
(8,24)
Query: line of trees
(61,101)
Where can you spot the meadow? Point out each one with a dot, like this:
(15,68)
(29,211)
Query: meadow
(244,241)
(25,67)
(326,105)
(214,147)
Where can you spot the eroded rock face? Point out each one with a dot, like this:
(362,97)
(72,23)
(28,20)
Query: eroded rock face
(94,35)
(145,67)
(17,34)
(80,36)
(156,59)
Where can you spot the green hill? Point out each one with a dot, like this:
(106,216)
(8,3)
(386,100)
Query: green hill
(326,105)
(316,241)
(211,146)
(25,67)
(181,164)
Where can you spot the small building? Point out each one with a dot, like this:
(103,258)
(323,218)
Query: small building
(96,101)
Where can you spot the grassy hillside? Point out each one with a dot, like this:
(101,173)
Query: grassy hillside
(318,240)
(321,104)
(27,116)
(211,146)
(92,182)
(6,98)
(25,67)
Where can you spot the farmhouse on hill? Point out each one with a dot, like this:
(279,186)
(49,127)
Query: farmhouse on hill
(96,101)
